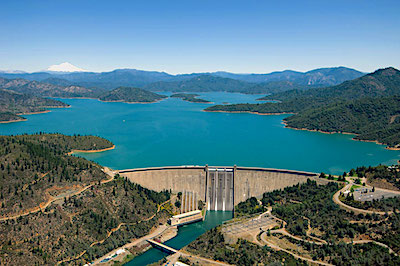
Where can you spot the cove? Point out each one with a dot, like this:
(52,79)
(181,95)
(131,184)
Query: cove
(186,234)
(175,132)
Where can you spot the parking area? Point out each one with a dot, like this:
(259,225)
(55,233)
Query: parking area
(366,194)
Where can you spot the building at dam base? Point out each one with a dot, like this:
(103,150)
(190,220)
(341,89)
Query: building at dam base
(220,187)
(186,218)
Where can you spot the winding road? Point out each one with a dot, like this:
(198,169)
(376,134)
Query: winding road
(346,207)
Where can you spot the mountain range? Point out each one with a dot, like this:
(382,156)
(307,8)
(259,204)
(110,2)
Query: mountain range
(158,81)
(45,89)
(383,82)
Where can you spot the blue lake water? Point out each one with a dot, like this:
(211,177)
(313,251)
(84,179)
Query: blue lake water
(175,132)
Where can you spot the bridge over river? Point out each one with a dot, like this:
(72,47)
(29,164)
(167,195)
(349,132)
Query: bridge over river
(220,187)
(161,246)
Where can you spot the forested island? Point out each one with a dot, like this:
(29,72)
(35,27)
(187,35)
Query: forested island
(57,208)
(367,106)
(131,95)
(189,97)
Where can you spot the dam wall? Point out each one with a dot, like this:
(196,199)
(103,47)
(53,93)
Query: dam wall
(221,187)
(176,179)
(253,182)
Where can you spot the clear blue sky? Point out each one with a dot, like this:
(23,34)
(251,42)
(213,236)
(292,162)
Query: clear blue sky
(195,36)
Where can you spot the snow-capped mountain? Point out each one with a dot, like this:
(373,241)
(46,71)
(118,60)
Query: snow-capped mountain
(65,67)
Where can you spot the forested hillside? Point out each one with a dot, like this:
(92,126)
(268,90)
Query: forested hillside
(367,106)
(383,82)
(43,89)
(276,87)
(213,245)
(12,104)
(55,207)
(369,118)
(307,208)
(202,83)
(31,164)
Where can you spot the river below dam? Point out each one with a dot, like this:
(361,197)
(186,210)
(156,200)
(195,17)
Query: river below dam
(186,234)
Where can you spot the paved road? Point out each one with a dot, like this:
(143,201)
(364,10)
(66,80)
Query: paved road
(350,208)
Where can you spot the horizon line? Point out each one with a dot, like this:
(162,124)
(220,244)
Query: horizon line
(187,73)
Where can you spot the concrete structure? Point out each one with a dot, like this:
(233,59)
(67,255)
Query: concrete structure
(219,191)
(221,187)
(186,218)
(189,201)
(162,247)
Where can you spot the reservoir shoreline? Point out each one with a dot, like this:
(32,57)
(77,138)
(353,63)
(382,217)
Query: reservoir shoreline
(344,133)
(248,112)
(13,121)
(92,151)
(306,129)
(32,113)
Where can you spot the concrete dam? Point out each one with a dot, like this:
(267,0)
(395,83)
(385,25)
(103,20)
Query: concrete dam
(220,187)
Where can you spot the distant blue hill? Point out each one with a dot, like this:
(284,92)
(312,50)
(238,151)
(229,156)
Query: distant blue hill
(221,81)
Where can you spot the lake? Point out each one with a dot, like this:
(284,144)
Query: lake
(175,132)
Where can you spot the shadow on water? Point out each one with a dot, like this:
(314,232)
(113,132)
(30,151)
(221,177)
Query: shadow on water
(186,234)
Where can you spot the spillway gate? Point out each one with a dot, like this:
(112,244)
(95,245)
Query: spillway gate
(220,188)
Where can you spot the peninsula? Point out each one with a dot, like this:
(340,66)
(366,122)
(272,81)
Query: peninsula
(13,105)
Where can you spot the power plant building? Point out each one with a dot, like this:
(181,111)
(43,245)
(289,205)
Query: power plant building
(186,218)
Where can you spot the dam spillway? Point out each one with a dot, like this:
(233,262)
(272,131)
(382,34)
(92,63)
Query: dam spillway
(220,187)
